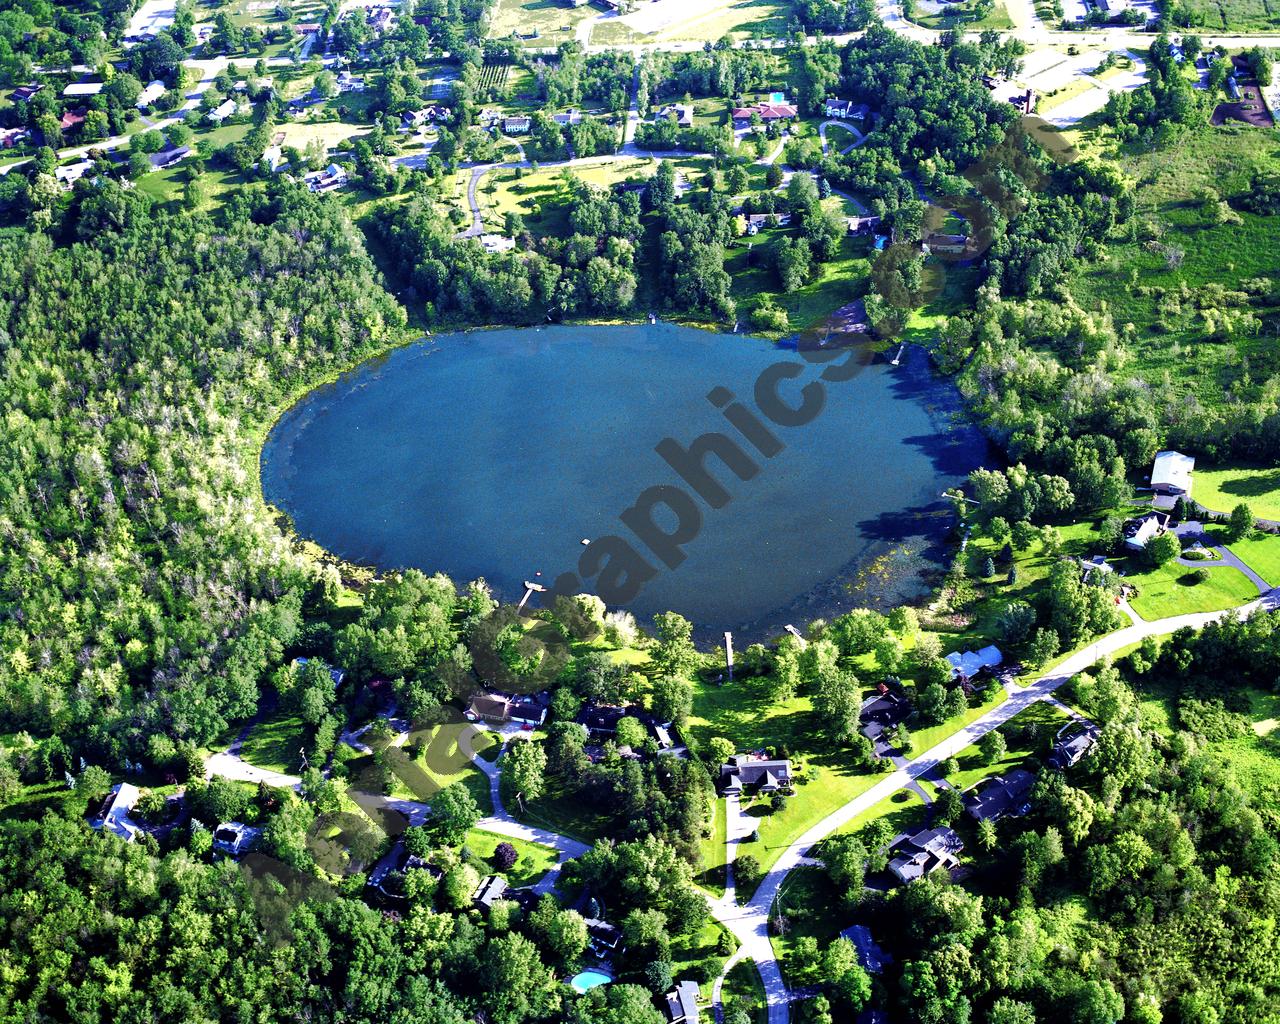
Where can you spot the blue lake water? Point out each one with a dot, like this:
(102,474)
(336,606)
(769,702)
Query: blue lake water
(496,453)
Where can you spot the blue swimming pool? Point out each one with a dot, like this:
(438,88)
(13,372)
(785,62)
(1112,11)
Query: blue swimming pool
(587,980)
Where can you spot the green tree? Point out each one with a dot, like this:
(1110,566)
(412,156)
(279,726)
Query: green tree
(524,765)
(454,813)
(1240,525)
(992,746)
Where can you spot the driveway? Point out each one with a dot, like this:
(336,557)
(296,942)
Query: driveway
(1192,531)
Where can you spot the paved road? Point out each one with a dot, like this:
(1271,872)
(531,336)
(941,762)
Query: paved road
(749,922)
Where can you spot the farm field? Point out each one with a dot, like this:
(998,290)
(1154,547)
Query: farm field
(553,21)
(675,20)
(1236,15)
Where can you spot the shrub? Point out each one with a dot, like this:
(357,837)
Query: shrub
(505,856)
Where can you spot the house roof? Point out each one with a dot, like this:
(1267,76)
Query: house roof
(169,156)
(1004,794)
(924,852)
(83,89)
(969,663)
(870,955)
(490,890)
(682,1002)
(744,770)
(1067,752)
(1172,469)
(116,819)
(151,93)
(767,111)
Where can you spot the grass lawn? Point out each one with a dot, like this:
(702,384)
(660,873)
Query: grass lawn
(924,739)
(1225,487)
(275,744)
(1172,590)
(561,813)
(824,780)
(535,860)
(551,19)
(738,19)
(961,16)
(1261,553)
(813,908)
(434,763)
(1252,755)
(742,986)
(713,853)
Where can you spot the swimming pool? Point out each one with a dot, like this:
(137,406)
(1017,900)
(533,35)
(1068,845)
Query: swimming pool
(587,980)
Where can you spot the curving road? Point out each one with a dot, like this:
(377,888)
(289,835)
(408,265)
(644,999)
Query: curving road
(749,922)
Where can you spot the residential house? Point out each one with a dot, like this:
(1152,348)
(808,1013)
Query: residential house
(347,82)
(151,94)
(519,125)
(569,117)
(681,113)
(234,838)
(846,110)
(221,112)
(115,812)
(1137,532)
(682,1003)
(23,93)
(968,664)
(871,957)
(168,157)
(757,222)
(1171,473)
(273,158)
(950,244)
(82,90)
(489,891)
(1073,742)
(1001,796)
(882,712)
(387,876)
(488,118)
(913,857)
(415,119)
(760,774)
(381,19)
(1094,566)
(71,119)
(857,225)
(766,111)
(497,243)
(10,137)
(603,938)
(601,720)
(71,173)
(500,708)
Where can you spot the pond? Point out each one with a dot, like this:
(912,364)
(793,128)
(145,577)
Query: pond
(790,484)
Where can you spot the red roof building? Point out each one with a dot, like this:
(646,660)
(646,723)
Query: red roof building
(767,112)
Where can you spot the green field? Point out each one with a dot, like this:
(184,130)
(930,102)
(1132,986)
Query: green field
(962,16)
(553,20)
(1261,553)
(1236,15)
(1138,286)
(535,860)
(1223,488)
(714,853)
(738,19)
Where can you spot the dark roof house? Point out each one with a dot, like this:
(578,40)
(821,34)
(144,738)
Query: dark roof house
(870,956)
(682,1003)
(923,853)
(1069,750)
(489,891)
(1003,795)
(744,771)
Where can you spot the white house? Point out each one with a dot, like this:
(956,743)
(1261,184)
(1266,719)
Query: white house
(79,90)
(150,94)
(222,111)
(71,173)
(682,113)
(116,817)
(497,243)
(1171,473)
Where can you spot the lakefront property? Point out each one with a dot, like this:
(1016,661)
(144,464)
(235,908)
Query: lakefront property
(622,513)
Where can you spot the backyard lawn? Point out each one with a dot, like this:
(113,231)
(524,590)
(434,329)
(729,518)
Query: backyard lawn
(713,853)
(1261,553)
(1223,488)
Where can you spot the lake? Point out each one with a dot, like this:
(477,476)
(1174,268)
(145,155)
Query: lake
(496,453)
